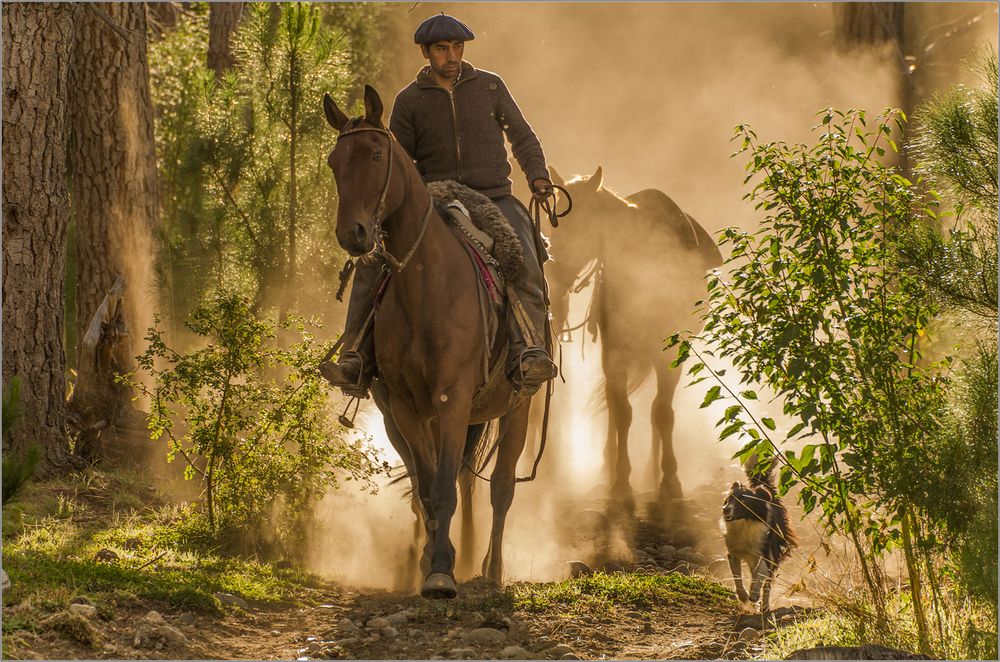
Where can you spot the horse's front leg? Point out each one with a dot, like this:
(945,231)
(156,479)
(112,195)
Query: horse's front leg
(380,394)
(452,405)
(515,428)
(663,429)
(420,461)
(619,422)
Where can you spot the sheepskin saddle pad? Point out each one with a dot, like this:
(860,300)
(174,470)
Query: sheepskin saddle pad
(486,217)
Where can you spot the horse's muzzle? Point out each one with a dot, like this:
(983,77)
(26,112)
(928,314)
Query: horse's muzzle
(356,239)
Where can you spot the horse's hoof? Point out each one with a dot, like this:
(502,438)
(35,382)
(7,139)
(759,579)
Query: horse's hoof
(439,586)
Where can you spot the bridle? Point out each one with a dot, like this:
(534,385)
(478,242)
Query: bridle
(377,219)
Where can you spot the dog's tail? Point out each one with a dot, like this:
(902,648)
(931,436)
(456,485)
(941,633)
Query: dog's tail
(760,473)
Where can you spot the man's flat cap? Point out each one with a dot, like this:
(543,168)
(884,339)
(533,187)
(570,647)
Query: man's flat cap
(442,28)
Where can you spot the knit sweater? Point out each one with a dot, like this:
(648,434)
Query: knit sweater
(459,134)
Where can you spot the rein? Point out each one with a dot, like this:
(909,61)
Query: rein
(537,206)
(380,234)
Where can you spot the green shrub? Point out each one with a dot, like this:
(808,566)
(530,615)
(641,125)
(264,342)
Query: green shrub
(956,148)
(249,418)
(818,307)
(248,197)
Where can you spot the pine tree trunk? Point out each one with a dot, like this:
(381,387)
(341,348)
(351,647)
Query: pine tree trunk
(162,17)
(115,192)
(223,17)
(37,45)
(878,25)
(867,23)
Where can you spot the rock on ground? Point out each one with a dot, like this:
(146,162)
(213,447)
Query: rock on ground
(230,599)
(515,653)
(398,619)
(377,623)
(158,637)
(484,637)
(559,650)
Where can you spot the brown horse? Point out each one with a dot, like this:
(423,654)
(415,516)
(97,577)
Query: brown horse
(429,337)
(651,259)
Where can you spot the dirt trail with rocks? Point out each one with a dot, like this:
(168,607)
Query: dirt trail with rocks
(482,623)
(381,625)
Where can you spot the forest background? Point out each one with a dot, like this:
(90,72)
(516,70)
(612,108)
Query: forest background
(179,147)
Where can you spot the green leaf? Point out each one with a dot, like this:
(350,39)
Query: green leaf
(713,394)
(683,352)
(768,423)
(731,429)
(732,411)
(797,428)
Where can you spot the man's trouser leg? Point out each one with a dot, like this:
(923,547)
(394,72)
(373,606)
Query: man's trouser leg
(355,365)
(529,365)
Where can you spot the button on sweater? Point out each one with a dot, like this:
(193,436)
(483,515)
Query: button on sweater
(459,134)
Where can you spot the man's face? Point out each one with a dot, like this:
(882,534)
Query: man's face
(445,57)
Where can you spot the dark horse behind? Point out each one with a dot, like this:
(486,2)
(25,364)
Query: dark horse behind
(650,259)
(429,338)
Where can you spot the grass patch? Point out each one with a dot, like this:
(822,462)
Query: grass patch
(966,630)
(618,590)
(73,627)
(90,536)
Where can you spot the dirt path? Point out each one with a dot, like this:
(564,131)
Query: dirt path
(693,618)
(479,625)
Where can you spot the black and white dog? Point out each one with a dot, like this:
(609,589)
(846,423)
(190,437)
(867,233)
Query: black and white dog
(758,533)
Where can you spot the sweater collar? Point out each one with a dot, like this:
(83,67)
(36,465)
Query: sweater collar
(425,79)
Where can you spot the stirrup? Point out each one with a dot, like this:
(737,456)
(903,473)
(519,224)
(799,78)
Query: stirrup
(356,389)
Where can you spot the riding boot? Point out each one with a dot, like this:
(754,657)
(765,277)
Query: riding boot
(529,364)
(355,366)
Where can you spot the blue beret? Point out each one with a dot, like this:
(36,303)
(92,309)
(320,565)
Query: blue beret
(442,28)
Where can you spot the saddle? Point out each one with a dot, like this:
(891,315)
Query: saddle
(496,255)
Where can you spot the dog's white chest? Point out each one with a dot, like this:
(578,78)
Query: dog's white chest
(744,536)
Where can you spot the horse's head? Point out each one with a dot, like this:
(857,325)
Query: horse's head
(579,238)
(594,207)
(587,192)
(362,165)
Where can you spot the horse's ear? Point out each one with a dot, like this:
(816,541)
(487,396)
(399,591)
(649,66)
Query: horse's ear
(334,115)
(373,106)
(596,180)
(556,177)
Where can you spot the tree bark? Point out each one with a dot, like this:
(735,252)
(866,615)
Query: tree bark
(162,17)
(867,23)
(878,25)
(37,45)
(223,17)
(115,192)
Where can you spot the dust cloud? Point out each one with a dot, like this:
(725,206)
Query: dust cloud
(651,92)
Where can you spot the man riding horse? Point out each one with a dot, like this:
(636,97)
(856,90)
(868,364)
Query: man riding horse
(452,121)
